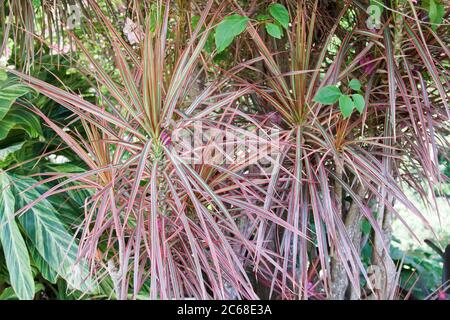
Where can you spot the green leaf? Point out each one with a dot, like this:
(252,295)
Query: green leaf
(50,237)
(16,117)
(194,21)
(3,75)
(7,154)
(354,84)
(8,294)
(366,227)
(153,17)
(359,102)
(36,3)
(20,118)
(42,265)
(279,13)
(228,29)
(14,248)
(436,12)
(328,95)
(346,105)
(210,40)
(274,30)
(9,93)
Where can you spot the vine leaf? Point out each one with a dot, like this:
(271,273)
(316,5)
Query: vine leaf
(328,95)
(279,13)
(359,102)
(274,30)
(346,105)
(354,84)
(228,29)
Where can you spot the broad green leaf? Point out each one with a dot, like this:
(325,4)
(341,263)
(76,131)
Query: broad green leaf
(50,237)
(14,248)
(3,75)
(274,30)
(9,294)
(346,105)
(228,29)
(359,102)
(16,117)
(10,149)
(328,95)
(354,84)
(436,12)
(20,118)
(7,154)
(279,13)
(10,92)
(42,265)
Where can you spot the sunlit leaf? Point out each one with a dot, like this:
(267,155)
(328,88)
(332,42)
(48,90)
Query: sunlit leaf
(3,75)
(6,154)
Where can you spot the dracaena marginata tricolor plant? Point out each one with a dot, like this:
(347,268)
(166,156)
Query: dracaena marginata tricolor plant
(151,219)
